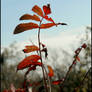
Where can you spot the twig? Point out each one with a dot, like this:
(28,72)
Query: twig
(41,56)
(70,67)
(73,63)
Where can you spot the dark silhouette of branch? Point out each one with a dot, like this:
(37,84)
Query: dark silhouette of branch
(73,63)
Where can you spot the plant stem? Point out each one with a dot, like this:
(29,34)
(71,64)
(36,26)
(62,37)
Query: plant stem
(45,84)
(70,67)
(48,78)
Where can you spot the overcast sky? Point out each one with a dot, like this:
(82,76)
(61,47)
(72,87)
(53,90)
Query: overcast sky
(76,13)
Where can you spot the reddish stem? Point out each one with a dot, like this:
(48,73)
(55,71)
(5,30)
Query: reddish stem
(45,84)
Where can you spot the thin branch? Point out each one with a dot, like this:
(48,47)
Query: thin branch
(70,68)
(73,63)
(41,56)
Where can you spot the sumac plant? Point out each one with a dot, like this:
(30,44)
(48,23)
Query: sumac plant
(32,61)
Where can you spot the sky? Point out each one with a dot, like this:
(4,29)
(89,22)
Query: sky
(75,13)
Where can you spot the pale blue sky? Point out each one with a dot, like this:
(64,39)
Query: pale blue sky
(75,13)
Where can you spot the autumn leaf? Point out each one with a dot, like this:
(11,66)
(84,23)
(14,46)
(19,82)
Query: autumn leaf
(25,26)
(30,49)
(51,72)
(47,9)
(48,25)
(57,82)
(84,46)
(33,67)
(77,58)
(30,68)
(28,61)
(49,19)
(28,17)
(37,10)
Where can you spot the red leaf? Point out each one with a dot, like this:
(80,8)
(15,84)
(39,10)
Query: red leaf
(20,90)
(47,9)
(30,49)
(84,46)
(49,19)
(37,10)
(5,90)
(28,17)
(25,26)
(28,61)
(30,68)
(33,67)
(51,72)
(57,82)
(37,63)
(77,58)
(48,25)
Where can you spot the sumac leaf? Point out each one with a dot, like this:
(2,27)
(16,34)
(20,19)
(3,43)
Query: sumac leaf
(49,19)
(51,72)
(47,9)
(78,50)
(37,63)
(37,10)
(48,25)
(57,82)
(30,68)
(28,17)
(30,49)
(20,90)
(84,46)
(28,61)
(25,26)
(77,58)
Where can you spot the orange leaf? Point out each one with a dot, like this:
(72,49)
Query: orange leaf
(30,49)
(48,25)
(57,82)
(25,26)
(28,61)
(37,10)
(51,72)
(77,58)
(49,19)
(47,9)
(30,68)
(84,46)
(28,17)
